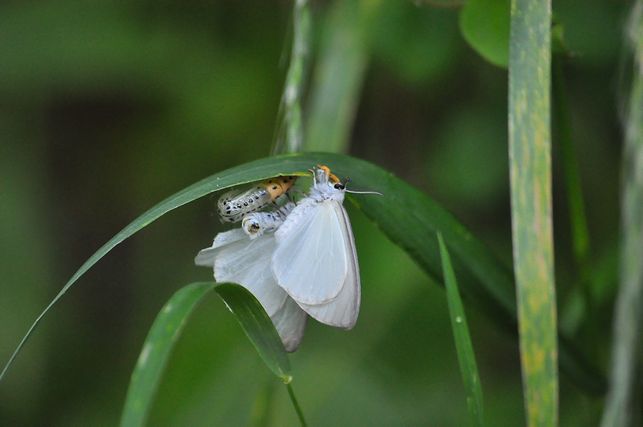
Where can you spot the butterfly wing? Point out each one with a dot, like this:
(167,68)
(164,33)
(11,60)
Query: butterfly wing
(290,322)
(238,259)
(310,262)
(205,257)
(343,310)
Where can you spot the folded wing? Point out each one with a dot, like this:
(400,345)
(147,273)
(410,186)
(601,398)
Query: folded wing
(290,322)
(342,311)
(310,262)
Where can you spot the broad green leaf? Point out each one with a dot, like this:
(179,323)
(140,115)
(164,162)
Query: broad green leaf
(623,404)
(485,26)
(158,345)
(463,344)
(258,327)
(531,204)
(406,215)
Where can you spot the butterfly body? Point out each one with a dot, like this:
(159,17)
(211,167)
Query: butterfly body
(315,260)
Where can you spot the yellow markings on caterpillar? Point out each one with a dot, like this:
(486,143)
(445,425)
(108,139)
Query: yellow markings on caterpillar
(278,186)
(236,204)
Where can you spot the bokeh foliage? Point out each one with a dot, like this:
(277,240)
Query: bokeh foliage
(107,108)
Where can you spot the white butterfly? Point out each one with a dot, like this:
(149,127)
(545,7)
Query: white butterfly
(315,260)
(237,258)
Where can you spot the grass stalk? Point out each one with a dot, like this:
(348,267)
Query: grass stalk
(295,403)
(291,98)
(531,205)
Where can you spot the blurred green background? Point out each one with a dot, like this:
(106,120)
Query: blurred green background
(108,107)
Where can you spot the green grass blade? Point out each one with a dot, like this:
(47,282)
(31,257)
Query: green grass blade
(622,408)
(295,82)
(249,172)
(156,350)
(530,173)
(406,215)
(168,326)
(295,403)
(463,344)
(258,327)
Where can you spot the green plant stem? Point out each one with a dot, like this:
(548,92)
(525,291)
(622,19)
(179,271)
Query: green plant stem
(296,79)
(530,173)
(295,403)
(622,406)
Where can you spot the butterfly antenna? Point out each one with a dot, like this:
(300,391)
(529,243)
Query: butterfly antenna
(364,192)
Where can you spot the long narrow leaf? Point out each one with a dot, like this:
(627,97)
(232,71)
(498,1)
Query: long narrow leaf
(530,171)
(253,171)
(262,334)
(291,98)
(156,350)
(463,344)
(258,327)
(406,215)
(168,326)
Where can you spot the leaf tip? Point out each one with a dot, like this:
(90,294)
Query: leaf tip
(287,379)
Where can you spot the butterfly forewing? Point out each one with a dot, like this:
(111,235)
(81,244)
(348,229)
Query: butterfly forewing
(310,261)
(247,262)
(343,310)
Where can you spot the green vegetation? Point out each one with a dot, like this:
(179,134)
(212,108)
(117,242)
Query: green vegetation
(451,110)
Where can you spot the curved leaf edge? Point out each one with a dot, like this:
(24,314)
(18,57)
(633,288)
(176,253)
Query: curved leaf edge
(156,350)
(167,328)
(298,164)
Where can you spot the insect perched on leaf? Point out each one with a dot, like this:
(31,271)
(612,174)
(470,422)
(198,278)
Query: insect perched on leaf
(315,260)
(297,259)
(234,205)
